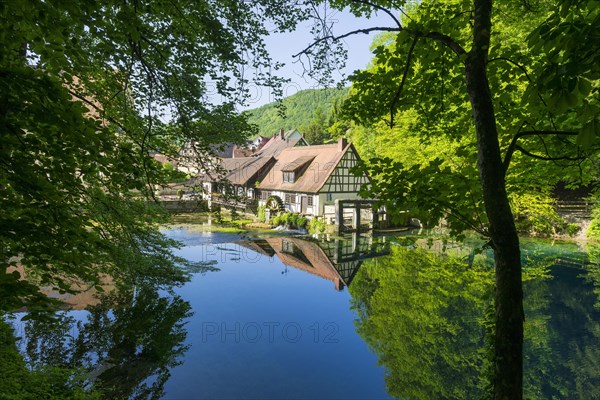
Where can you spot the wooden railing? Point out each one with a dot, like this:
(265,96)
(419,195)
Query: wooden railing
(249,205)
(578,207)
(190,206)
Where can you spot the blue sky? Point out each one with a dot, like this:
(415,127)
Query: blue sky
(283,46)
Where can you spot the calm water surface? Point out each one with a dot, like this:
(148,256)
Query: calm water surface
(262,329)
(361,318)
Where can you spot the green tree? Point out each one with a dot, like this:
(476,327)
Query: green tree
(315,132)
(299,110)
(85,90)
(338,125)
(473,67)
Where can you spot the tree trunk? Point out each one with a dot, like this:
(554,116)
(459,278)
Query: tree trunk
(508,339)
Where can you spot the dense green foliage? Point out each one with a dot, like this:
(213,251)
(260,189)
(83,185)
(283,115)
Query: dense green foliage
(308,111)
(50,382)
(424,315)
(315,225)
(593,231)
(123,349)
(433,135)
(425,310)
(290,220)
(86,89)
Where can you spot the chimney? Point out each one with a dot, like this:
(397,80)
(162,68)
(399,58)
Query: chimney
(281,133)
(342,143)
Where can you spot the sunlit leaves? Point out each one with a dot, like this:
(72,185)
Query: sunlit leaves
(536,82)
(89,90)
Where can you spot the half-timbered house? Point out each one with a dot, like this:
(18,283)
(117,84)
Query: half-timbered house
(308,179)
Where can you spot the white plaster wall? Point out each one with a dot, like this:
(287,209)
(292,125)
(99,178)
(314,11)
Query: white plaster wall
(296,207)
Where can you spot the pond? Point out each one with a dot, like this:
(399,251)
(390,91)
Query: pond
(362,317)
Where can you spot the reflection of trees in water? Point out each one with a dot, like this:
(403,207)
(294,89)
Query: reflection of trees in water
(128,343)
(424,316)
(562,353)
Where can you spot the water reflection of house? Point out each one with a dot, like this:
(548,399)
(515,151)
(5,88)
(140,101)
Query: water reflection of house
(335,260)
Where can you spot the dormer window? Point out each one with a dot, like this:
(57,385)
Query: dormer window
(293,170)
(289,176)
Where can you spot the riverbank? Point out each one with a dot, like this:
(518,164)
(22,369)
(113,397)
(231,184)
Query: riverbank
(206,222)
(245,224)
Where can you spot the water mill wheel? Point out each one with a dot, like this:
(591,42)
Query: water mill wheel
(275,204)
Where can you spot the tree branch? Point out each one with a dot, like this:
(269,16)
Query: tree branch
(380,8)
(443,39)
(404,74)
(513,145)
(530,154)
(345,35)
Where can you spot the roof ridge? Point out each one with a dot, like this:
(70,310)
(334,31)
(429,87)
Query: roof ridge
(313,146)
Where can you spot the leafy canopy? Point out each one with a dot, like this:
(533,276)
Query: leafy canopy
(413,116)
(88,90)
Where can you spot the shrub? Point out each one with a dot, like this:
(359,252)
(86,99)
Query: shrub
(593,231)
(276,220)
(302,222)
(260,213)
(316,226)
(535,214)
(293,219)
(284,219)
(572,229)
(216,212)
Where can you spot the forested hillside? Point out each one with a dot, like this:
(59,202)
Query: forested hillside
(301,109)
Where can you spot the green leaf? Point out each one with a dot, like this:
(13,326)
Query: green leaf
(588,134)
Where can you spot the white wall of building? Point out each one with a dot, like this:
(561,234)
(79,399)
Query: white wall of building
(322,202)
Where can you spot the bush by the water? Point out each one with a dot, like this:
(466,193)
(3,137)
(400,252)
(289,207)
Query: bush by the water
(536,215)
(261,213)
(593,231)
(291,220)
(316,226)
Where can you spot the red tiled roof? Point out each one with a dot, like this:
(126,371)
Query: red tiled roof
(242,170)
(324,160)
(276,145)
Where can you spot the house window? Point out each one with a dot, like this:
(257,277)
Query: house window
(287,247)
(290,198)
(288,177)
(309,200)
(291,249)
(265,195)
(329,197)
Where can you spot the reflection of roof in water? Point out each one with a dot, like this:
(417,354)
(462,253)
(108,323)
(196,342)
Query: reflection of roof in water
(337,261)
(259,246)
(306,256)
